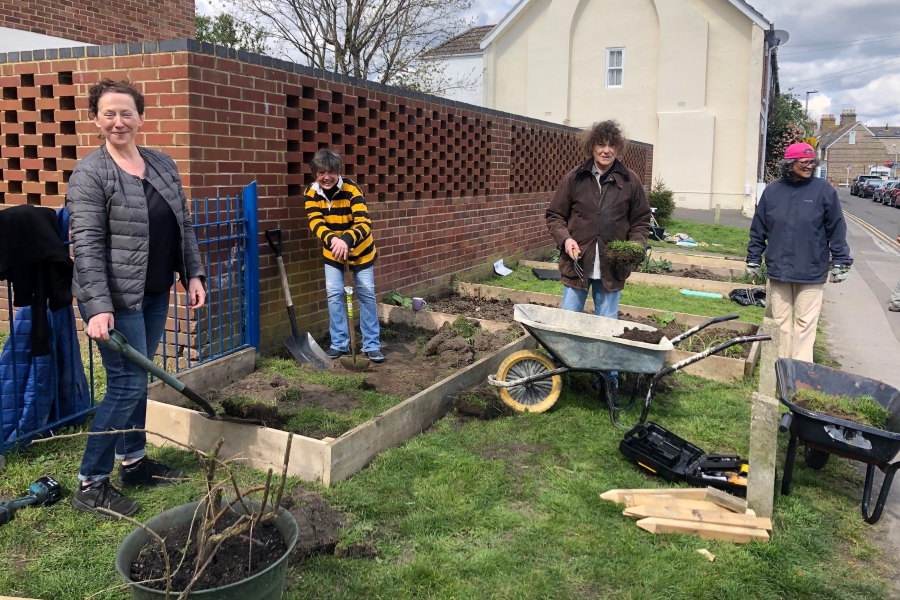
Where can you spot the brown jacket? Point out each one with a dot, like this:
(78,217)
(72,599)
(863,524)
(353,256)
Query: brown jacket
(582,211)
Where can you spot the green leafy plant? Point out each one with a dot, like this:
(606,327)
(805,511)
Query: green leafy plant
(862,409)
(662,199)
(625,254)
(555,256)
(651,265)
(465,328)
(664,319)
(395,298)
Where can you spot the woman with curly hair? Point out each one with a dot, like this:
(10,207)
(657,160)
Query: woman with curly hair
(598,202)
(131,232)
(799,225)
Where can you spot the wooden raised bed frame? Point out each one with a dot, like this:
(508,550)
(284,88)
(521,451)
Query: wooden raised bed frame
(715,368)
(688,283)
(328,460)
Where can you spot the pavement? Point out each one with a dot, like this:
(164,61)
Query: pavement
(864,335)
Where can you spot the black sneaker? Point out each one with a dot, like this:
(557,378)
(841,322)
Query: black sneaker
(375,356)
(148,472)
(101,494)
(334,354)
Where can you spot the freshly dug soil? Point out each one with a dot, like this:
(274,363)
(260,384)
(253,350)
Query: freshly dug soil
(699,274)
(482,404)
(639,335)
(239,557)
(478,308)
(415,359)
(318,524)
(697,342)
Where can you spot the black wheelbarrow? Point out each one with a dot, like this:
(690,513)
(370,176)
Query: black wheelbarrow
(824,435)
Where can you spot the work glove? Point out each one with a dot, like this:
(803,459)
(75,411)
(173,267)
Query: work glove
(839,273)
(754,272)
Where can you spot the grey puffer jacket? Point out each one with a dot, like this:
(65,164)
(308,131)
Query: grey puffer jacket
(110,229)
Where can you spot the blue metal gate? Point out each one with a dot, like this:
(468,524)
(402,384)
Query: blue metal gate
(228,237)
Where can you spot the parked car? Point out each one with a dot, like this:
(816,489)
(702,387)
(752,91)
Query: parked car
(857,183)
(883,192)
(893,197)
(867,190)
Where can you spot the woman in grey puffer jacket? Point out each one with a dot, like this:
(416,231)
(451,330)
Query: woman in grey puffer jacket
(131,232)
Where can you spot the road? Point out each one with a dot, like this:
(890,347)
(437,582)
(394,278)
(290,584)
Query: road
(884,218)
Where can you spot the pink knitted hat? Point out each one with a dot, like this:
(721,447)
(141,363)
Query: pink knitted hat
(799,150)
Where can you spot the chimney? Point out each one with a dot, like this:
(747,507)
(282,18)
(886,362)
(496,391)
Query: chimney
(829,122)
(848,116)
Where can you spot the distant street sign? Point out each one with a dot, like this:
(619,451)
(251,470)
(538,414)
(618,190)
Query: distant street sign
(849,168)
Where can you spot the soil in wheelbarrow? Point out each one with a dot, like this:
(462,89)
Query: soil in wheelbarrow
(232,563)
(414,360)
(698,342)
(864,410)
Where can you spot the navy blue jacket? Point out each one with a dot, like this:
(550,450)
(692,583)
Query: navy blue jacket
(800,226)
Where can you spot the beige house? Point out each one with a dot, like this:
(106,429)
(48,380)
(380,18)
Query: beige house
(850,148)
(690,77)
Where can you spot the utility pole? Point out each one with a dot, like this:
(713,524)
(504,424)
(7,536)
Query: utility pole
(807,99)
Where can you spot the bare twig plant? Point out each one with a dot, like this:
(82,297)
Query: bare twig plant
(213,508)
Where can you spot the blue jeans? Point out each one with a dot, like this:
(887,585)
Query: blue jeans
(364,286)
(606,304)
(125,404)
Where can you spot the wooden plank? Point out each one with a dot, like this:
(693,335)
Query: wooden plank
(726,500)
(212,375)
(753,358)
(726,268)
(714,368)
(355,449)
(721,517)
(688,283)
(432,321)
(651,500)
(710,531)
(258,447)
(685,493)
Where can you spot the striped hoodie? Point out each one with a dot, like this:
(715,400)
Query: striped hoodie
(345,215)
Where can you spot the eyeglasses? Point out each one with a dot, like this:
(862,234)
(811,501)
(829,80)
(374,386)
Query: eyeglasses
(806,163)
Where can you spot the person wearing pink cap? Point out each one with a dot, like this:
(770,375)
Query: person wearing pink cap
(800,227)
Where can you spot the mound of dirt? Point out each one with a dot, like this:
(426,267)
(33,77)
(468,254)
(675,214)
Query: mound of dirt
(269,414)
(318,524)
(481,404)
(454,349)
(479,308)
(640,335)
(700,274)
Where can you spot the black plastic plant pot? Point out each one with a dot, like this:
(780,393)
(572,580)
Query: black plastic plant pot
(825,434)
(265,585)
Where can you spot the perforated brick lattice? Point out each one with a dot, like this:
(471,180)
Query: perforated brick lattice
(39,143)
(398,151)
(639,158)
(541,157)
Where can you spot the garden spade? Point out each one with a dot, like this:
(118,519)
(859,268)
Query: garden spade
(353,362)
(302,346)
(119,343)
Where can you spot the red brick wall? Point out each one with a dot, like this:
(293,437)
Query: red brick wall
(101,21)
(450,187)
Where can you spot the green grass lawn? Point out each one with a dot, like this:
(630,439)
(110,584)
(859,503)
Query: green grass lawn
(662,298)
(499,509)
(722,239)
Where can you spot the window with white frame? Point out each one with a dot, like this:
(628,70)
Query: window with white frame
(615,67)
(852,139)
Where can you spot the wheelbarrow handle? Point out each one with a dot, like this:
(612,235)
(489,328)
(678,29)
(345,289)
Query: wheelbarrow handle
(119,343)
(691,360)
(274,244)
(703,326)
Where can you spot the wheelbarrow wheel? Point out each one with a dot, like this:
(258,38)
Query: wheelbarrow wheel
(536,396)
(815,459)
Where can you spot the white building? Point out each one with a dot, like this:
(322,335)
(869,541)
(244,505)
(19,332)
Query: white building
(463,60)
(691,77)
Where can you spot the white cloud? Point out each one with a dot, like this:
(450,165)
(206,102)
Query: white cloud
(489,12)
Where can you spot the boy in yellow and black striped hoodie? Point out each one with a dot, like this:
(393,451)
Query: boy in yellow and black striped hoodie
(339,219)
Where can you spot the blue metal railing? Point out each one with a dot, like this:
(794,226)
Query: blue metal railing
(228,237)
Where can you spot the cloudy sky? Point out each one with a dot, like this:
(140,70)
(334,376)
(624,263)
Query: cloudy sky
(848,51)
